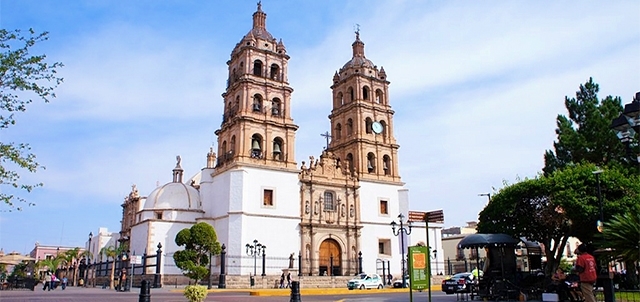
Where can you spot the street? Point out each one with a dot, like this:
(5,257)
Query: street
(74,294)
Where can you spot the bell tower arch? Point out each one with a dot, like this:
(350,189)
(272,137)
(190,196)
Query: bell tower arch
(257,128)
(362,119)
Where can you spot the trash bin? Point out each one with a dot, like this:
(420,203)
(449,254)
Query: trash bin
(252,281)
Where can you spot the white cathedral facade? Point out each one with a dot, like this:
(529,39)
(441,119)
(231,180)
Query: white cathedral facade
(328,209)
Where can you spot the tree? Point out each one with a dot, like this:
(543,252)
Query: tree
(70,257)
(21,74)
(550,209)
(622,234)
(585,135)
(200,242)
(112,252)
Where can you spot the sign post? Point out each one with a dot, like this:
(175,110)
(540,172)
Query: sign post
(426,217)
(418,268)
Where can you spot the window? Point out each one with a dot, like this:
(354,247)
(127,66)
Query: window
(371,163)
(386,165)
(267,198)
(460,254)
(257,68)
(340,99)
(384,246)
(338,133)
(474,254)
(349,127)
(275,72)
(365,92)
(367,125)
(277,149)
(329,205)
(350,162)
(159,215)
(384,207)
(275,107)
(256,146)
(257,103)
(232,146)
(378,96)
(351,94)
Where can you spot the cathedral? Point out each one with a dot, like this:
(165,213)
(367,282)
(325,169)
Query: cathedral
(329,211)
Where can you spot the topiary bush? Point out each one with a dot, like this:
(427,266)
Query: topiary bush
(195,293)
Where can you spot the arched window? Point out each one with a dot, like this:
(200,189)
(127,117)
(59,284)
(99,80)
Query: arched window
(223,149)
(379,96)
(349,127)
(351,94)
(275,107)
(371,163)
(365,92)
(386,165)
(367,125)
(257,68)
(338,133)
(384,130)
(256,146)
(242,68)
(274,74)
(339,99)
(232,145)
(329,203)
(257,103)
(277,149)
(350,162)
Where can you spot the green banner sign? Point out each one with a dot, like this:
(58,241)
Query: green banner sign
(419,267)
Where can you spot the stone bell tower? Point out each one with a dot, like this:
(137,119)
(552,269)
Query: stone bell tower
(257,128)
(362,119)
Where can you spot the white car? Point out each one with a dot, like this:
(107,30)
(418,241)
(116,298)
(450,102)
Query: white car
(366,281)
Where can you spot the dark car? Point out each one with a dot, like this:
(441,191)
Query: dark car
(458,283)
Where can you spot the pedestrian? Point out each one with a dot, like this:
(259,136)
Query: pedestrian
(282,280)
(586,269)
(288,280)
(47,281)
(64,282)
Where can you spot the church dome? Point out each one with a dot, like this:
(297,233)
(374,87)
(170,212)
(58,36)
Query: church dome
(358,59)
(259,30)
(174,195)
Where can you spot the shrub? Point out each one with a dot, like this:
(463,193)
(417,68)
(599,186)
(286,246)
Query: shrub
(195,293)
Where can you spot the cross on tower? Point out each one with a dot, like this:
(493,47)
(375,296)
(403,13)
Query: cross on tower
(327,136)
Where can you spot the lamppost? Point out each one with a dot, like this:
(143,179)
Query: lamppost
(627,125)
(399,232)
(254,250)
(486,194)
(86,279)
(599,224)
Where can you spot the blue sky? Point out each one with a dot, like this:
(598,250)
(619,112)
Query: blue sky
(476,87)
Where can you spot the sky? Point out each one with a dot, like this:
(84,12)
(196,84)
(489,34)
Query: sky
(476,87)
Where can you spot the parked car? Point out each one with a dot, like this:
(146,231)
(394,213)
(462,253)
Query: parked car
(458,283)
(398,283)
(363,281)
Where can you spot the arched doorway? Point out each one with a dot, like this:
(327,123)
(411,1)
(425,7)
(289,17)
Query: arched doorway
(330,263)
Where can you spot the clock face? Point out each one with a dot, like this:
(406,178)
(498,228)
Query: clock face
(377,127)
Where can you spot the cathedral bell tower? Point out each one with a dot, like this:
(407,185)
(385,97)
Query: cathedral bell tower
(362,119)
(257,128)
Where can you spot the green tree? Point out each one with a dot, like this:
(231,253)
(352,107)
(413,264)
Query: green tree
(585,134)
(200,241)
(70,257)
(21,74)
(550,209)
(112,252)
(622,234)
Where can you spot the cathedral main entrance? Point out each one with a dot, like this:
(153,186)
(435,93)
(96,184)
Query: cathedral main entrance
(330,263)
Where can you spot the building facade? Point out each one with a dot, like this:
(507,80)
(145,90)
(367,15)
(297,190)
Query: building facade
(329,211)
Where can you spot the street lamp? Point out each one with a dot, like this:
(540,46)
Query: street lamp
(254,250)
(601,221)
(486,194)
(627,125)
(86,279)
(399,232)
